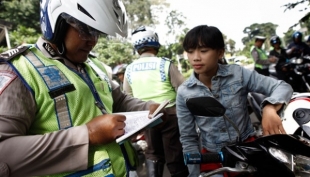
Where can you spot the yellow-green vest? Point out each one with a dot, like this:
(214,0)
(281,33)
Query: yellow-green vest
(149,79)
(262,55)
(78,109)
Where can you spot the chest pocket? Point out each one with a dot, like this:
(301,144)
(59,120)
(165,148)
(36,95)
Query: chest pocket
(232,94)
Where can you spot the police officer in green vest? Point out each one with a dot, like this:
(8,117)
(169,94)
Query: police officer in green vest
(57,101)
(157,79)
(260,57)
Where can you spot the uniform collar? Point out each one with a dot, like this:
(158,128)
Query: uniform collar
(147,55)
(223,71)
(47,50)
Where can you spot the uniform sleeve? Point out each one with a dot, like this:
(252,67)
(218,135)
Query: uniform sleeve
(176,78)
(125,103)
(126,87)
(257,59)
(30,155)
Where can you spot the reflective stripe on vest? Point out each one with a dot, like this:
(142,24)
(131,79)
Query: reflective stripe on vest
(262,55)
(149,79)
(62,110)
(106,160)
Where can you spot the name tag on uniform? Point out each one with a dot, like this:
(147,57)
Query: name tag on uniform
(144,66)
(6,78)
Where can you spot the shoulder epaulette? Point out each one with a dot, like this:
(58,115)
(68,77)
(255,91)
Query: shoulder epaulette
(92,55)
(167,59)
(8,55)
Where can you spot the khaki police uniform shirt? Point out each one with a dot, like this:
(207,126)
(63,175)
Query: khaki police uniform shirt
(257,58)
(61,151)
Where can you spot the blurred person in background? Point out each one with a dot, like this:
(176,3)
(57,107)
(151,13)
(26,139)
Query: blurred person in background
(297,48)
(281,56)
(260,58)
(157,79)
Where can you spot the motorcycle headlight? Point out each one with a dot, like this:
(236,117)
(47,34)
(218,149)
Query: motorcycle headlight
(281,155)
(300,165)
(297,60)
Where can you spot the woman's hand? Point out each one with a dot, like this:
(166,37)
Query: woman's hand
(271,121)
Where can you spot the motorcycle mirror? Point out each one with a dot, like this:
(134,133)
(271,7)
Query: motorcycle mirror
(205,106)
(209,107)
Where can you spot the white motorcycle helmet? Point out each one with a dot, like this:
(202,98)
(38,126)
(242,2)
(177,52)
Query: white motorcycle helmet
(106,16)
(297,114)
(145,37)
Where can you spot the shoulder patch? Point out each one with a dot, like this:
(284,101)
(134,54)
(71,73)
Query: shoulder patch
(8,55)
(6,77)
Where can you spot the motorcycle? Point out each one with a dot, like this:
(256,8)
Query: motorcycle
(273,155)
(298,72)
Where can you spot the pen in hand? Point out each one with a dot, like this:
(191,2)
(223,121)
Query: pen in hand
(101,107)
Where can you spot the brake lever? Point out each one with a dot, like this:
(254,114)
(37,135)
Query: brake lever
(241,167)
(227,169)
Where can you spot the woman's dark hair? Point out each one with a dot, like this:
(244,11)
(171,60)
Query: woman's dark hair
(204,36)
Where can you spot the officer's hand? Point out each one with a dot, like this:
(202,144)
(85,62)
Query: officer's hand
(152,109)
(273,59)
(106,128)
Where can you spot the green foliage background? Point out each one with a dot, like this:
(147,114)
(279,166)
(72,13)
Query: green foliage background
(24,15)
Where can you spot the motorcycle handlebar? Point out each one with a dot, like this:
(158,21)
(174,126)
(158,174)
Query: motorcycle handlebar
(198,158)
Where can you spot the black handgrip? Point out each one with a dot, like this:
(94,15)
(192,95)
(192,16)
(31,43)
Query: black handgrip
(212,157)
(197,158)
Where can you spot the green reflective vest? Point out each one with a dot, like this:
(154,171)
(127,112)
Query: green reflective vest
(149,79)
(64,100)
(262,55)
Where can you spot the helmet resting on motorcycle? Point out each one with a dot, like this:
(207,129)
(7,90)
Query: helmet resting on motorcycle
(296,114)
(143,37)
(297,36)
(275,40)
(104,16)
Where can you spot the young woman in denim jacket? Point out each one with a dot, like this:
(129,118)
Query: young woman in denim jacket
(230,85)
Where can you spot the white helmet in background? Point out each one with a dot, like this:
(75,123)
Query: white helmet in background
(297,114)
(145,37)
(106,16)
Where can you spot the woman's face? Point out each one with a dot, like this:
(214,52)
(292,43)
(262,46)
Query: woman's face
(204,60)
(77,47)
